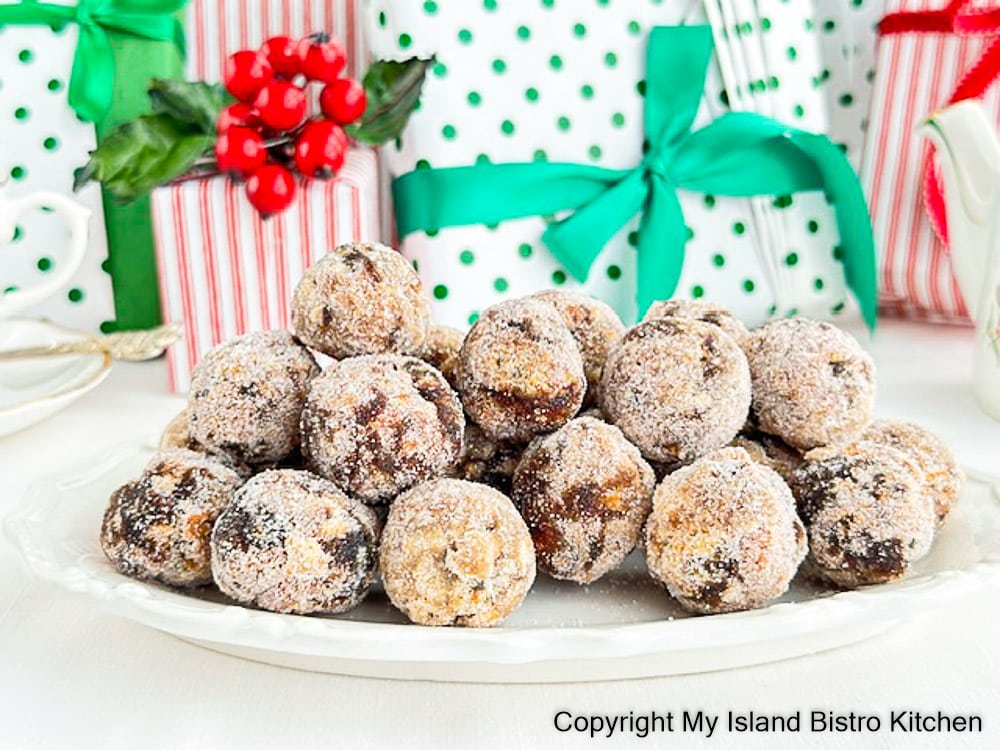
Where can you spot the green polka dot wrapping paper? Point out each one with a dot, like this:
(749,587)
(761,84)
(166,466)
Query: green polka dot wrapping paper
(41,143)
(564,81)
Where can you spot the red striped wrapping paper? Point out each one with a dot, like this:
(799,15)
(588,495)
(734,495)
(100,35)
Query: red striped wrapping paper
(217,28)
(224,271)
(916,74)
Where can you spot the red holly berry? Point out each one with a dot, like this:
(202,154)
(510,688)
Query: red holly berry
(319,150)
(271,189)
(343,101)
(236,115)
(241,150)
(282,53)
(246,73)
(281,105)
(321,58)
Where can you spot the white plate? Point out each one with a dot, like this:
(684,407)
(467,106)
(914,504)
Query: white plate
(621,627)
(33,389)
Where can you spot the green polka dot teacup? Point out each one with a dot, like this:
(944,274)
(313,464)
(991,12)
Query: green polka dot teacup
(76,218)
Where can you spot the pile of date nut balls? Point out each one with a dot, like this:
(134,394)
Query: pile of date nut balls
(549,437)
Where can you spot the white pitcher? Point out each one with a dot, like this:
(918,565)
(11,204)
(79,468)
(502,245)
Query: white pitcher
(77,218)
(968,151)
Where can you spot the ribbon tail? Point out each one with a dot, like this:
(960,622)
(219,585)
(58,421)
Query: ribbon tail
(577,240)
(91,82)
(662,236)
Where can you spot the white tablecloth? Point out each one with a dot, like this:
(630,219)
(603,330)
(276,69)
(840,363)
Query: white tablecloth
(74,677)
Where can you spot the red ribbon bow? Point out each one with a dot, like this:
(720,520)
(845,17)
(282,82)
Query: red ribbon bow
(959,17)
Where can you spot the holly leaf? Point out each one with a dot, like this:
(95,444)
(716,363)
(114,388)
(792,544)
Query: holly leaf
(194,103)
(393,91)
(140,155)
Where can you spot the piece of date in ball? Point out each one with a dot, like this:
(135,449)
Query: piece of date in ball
(379,424)
(292,542)
(521,372)
(585,492)
(362,298)
(157,527)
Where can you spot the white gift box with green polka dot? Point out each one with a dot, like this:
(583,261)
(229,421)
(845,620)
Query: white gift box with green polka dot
(516,80)
(41,143)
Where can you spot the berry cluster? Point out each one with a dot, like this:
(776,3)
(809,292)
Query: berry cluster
(267,132)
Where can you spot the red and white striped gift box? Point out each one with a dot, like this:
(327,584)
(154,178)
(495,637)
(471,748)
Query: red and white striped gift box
(224,271)
(217,28)
(917,72)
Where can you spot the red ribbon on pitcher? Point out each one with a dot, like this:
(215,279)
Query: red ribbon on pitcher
(962,18)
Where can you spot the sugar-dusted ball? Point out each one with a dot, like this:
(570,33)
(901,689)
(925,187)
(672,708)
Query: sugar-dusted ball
(723,535)
(292,542)
(941,473)
(486,460)
(585,492)
(362,298)
(703,310)
(247,396)
(813,384)
(442,350)
(521,371)
(595,327)
(378,424)
(456,553)
(157,527)
(677,388)
(867,512)
(177,434)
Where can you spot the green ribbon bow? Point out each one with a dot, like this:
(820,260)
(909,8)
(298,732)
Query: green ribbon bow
(739,154)
(92,81)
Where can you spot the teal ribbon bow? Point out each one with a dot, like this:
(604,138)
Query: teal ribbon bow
(92,80)
(740,154)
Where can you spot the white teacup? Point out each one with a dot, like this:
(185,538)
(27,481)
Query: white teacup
(77,218)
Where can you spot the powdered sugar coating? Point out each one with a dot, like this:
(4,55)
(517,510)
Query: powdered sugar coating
(361,298)
(377,424)
(292,542)
(247,395)
(706,312)
(677,388)
(521,371)
(486,460)
(595,328)
(940,471)
(769,450)
(157,527)
(585,493)
(442,350)
(456,553)
(723,535)
(866,510)
(813,384)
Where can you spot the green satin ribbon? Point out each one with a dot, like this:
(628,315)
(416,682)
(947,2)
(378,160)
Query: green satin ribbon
(739,154)
(92,80)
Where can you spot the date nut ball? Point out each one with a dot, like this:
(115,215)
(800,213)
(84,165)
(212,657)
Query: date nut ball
(677,389)
(442,350)
(929,452)
(706,312)
(521,371)
(247,396)
(378,424)
(723,535)
(157,527)
(813,384)
(584,492)
(456,553)
(595,327)
(866,511)
(362,298)
(292,542)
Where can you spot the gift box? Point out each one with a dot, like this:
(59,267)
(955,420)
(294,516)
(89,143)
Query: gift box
(563,83)
(224,271)
(848,49)
(70,68)
(927,56)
